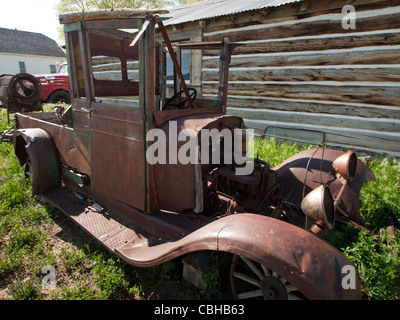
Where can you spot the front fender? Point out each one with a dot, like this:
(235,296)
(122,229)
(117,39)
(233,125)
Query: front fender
(36,145)
(309,169)
(310,264)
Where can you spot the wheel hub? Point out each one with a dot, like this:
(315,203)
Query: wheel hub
(273,289)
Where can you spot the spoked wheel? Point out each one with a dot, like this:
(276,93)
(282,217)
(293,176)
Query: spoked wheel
(251,280)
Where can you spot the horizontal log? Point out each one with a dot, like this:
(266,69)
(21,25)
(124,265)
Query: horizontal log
(354,138)
(371,93)
(324,24)
(288,12)
(315,106)
(325,43)
(96,60)
(329,120)
(319,42)
(107,67)
(306,73)
(134,65)
(365,55)
(133,75)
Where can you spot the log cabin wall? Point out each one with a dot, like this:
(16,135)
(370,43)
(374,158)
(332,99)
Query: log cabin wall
(299,68)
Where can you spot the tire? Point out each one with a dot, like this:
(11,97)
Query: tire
(59,96)
(25,87)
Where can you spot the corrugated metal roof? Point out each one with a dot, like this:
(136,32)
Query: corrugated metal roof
(215,8)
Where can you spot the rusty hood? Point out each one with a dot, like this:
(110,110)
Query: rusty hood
(179,185)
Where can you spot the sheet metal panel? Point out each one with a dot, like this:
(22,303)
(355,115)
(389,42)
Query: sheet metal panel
(215,8)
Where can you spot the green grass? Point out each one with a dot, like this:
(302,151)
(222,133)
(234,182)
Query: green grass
(34,234)
(381,197)
(378,257)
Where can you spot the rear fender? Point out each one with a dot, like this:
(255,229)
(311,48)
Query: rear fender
(309,169)
(307,262)
(36,145)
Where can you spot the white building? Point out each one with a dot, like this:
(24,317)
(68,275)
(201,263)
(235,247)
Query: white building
(22,51)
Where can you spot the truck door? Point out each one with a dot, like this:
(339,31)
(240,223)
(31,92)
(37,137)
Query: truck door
(117,129)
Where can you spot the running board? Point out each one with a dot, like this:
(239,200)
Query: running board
(108,229)
(128,240)
(233,233)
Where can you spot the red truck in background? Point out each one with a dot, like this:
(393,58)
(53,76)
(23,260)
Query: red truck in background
(55,87)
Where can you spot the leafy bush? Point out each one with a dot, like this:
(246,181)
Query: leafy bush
(27,290)
(378,264)
(380,198)
(109,277)
(24,237)
(275,152)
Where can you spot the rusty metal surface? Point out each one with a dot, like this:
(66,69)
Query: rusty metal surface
(118,154)
(110,230)
(175,183)
(276,244)
(162,117)
(309,169)
(273,243)
(35,148)
(215,8)
(165,225)
(72,146)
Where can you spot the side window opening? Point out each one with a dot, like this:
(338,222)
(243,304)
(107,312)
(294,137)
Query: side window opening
(185,66)
(115,69)
(106,68)
(172,83)
(133,70)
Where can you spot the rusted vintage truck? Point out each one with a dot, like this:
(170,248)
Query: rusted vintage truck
(93,162)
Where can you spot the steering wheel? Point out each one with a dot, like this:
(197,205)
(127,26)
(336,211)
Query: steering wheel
(179,105)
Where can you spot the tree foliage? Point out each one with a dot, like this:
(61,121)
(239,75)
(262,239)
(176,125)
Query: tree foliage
(86,5)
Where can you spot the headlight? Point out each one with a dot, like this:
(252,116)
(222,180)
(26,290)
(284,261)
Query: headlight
(346,165)
(318,205)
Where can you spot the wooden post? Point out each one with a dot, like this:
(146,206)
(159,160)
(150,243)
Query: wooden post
(224,74)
